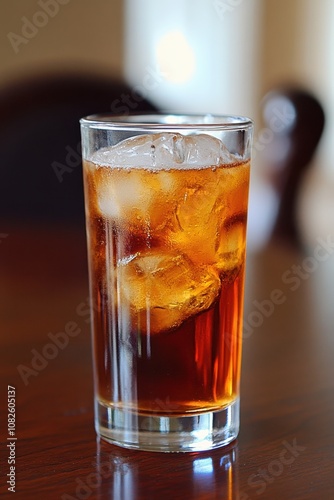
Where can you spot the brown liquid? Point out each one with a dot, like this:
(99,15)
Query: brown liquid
(166,255)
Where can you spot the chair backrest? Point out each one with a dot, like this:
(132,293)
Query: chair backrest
(297,120)
(40,175)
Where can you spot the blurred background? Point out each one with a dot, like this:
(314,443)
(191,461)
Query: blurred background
(62,59)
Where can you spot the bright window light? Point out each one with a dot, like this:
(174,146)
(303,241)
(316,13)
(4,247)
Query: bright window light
(175,57)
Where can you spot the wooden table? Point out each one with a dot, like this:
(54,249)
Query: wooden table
(285,449)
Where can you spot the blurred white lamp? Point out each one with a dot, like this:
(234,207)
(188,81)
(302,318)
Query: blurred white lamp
(194,55)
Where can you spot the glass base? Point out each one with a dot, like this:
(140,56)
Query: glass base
(200,432)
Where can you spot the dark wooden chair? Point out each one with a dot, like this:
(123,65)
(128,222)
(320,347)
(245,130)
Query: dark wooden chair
(297,120)
(41,175)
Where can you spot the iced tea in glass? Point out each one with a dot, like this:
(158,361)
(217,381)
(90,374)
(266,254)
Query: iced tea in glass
(166,210)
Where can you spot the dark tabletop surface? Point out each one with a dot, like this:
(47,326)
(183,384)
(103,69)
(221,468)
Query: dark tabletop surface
(285,449)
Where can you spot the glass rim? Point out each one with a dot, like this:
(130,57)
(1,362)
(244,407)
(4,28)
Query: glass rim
(166,121)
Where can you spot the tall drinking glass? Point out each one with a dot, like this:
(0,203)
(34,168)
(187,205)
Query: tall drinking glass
(166,210)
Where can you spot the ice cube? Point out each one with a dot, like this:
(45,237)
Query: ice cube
(231,248)
(235,192)
(165,289)
(165,150)
(208,223)
(136,198)
(196,220)
(195,225)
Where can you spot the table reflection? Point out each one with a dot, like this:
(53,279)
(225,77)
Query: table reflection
(128,474)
